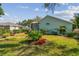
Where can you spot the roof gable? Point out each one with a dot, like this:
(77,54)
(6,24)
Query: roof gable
(56,18)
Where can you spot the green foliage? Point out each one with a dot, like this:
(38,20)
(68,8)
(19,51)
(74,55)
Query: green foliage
(62,30)
(43,31)
(71,34)
(20,31)
(1,10)
(2,31)
(6,34)
(26,22)
(16,31)
(23,30)
(34,35)
(76,21)
(29,21)
(8,44)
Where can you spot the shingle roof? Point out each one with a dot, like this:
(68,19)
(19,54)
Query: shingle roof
(9,24)
(57,18)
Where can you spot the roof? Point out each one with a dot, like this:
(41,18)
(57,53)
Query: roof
(57,18)
(35,22)
(9,24)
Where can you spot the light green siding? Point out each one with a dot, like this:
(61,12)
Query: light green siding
(50,23)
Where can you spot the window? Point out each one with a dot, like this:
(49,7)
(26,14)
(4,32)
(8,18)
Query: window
(47,23)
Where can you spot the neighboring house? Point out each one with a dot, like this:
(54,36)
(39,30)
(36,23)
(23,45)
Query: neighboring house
(51,24)
(35,25)
(9,25)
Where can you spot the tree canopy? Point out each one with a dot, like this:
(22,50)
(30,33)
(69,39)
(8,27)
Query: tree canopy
(29,21)
(51,6)
(1,10)
(76,21)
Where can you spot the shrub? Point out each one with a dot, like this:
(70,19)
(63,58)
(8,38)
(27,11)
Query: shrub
(8,45)
(34,35)
(16,31)
(24,30)
(62,29)
(41,41)
(71,34)
(3,31)
(43,31)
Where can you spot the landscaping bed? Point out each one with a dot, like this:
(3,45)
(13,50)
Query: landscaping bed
(36,44)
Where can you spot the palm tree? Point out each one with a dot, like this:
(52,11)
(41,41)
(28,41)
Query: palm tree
(51,6)
(1,10)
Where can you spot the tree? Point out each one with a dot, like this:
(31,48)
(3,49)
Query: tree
(37,18)
(29,21)
(1,10)
(51,6)
(76,21)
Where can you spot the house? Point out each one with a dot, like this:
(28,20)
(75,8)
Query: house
(35,25)
(52,24)
(9,25)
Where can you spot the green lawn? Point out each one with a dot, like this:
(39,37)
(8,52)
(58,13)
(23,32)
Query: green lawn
(57,45)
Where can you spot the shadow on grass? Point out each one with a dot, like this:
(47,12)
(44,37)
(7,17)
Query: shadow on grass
(8,45)
(26,41)
(4,52)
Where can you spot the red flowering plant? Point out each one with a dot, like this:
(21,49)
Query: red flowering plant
(35,37)
(41,41)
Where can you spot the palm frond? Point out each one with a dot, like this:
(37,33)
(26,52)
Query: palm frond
(51,6)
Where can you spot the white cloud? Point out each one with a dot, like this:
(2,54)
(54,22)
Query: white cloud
(74,8)
(36,9)
(46,10)
(6,14)
(24,7)
(69,12)
(64,3)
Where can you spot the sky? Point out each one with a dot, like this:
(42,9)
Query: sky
(15,12)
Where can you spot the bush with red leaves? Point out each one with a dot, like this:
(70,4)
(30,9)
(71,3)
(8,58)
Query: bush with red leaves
(41,41)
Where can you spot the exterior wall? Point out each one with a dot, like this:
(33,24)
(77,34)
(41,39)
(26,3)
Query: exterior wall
(35,26)
(14,28)
(54,24)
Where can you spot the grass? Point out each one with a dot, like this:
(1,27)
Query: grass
(62,41)
(11,46)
